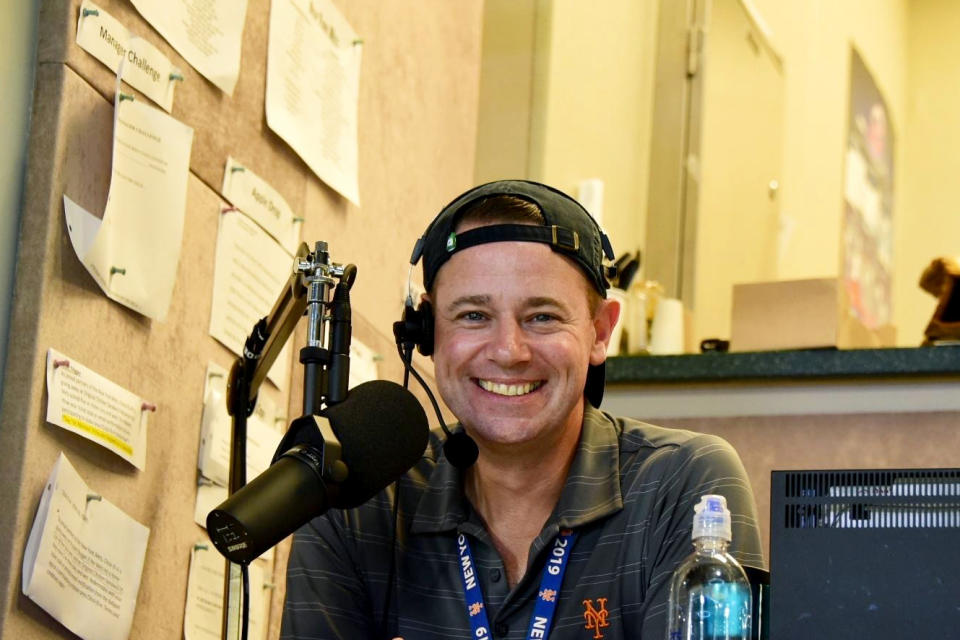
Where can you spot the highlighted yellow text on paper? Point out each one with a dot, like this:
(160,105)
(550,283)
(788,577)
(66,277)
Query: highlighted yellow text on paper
(98,433)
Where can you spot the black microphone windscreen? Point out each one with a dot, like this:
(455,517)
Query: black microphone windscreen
(383,430)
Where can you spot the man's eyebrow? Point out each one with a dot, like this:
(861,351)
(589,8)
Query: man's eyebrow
(483,300)
(544,301)
(469,301)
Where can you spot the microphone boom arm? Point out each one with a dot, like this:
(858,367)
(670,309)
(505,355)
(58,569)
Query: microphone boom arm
(307,289)
(280,324)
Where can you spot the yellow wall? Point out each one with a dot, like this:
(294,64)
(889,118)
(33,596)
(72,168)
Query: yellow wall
(927,219)
(814,38)
(911,48)
(740,152)
(597,107)
(566,94)
(588,86)
(506,85)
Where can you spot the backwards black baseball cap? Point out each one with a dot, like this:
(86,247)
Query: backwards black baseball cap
(568,229)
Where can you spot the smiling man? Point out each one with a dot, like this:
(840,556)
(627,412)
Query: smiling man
(571,521)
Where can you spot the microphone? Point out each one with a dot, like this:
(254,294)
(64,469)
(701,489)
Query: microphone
(383,432)
(460,449)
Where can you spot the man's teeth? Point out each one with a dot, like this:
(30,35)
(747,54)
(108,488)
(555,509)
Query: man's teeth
(509,389)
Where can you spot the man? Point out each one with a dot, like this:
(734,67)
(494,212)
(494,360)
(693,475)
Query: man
(571,521)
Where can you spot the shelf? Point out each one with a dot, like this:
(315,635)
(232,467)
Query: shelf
(813,364)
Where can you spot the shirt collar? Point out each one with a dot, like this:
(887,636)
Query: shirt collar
(591,491)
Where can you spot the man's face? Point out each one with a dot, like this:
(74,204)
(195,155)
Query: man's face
(514,338)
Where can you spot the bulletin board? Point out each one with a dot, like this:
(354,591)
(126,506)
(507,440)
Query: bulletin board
(417,126)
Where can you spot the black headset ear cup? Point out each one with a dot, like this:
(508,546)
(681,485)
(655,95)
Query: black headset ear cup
(416,326)
(425,343)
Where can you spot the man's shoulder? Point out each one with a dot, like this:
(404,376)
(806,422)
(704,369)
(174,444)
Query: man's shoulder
(634,435)
(648,450)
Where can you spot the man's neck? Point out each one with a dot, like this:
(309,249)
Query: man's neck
(515,489)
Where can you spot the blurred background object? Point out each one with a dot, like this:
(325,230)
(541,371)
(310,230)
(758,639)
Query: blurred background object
(940,280)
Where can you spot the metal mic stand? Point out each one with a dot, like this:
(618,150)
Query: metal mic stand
(307,289)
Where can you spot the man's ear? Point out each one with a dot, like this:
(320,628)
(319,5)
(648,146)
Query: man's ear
(604,320)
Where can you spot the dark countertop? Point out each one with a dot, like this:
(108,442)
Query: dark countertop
(783,366)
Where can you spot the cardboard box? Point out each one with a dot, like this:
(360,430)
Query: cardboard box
(799,314)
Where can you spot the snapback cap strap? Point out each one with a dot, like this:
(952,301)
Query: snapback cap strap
(558,237)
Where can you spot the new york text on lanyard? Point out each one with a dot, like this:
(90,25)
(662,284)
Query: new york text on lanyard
(546,603)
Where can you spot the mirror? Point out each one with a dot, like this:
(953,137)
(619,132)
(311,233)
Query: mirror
(756,106)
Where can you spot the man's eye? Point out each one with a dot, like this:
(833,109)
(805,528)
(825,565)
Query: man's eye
(543,317)
(472,316)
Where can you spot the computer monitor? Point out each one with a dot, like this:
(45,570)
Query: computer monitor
(865,554)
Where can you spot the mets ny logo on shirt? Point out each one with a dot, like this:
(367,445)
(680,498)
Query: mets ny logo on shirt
(596,618)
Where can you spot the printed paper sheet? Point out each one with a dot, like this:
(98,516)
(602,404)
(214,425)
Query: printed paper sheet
(255,197)
(250,271)
(133,252)
(207,33)
(203,615)
(262,435)
(86,403)
(313,88)
(363,364)
(144,66)
(84,558)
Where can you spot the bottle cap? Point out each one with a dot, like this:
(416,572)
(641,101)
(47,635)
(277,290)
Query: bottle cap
(711,518)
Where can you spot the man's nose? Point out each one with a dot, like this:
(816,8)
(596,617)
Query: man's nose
(508,344)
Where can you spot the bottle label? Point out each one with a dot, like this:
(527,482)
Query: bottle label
(720,610)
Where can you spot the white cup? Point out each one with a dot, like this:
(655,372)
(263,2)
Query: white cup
(666,336)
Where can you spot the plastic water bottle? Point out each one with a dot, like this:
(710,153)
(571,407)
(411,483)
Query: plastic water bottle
(709,594)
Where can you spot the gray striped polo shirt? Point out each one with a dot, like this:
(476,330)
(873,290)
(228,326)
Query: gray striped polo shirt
(629,494)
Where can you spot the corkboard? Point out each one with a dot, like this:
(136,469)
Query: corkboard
(417,113)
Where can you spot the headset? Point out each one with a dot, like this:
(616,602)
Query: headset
(415,330)
(570,230)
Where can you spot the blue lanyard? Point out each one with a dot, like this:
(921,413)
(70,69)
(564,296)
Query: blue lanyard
(546,603)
